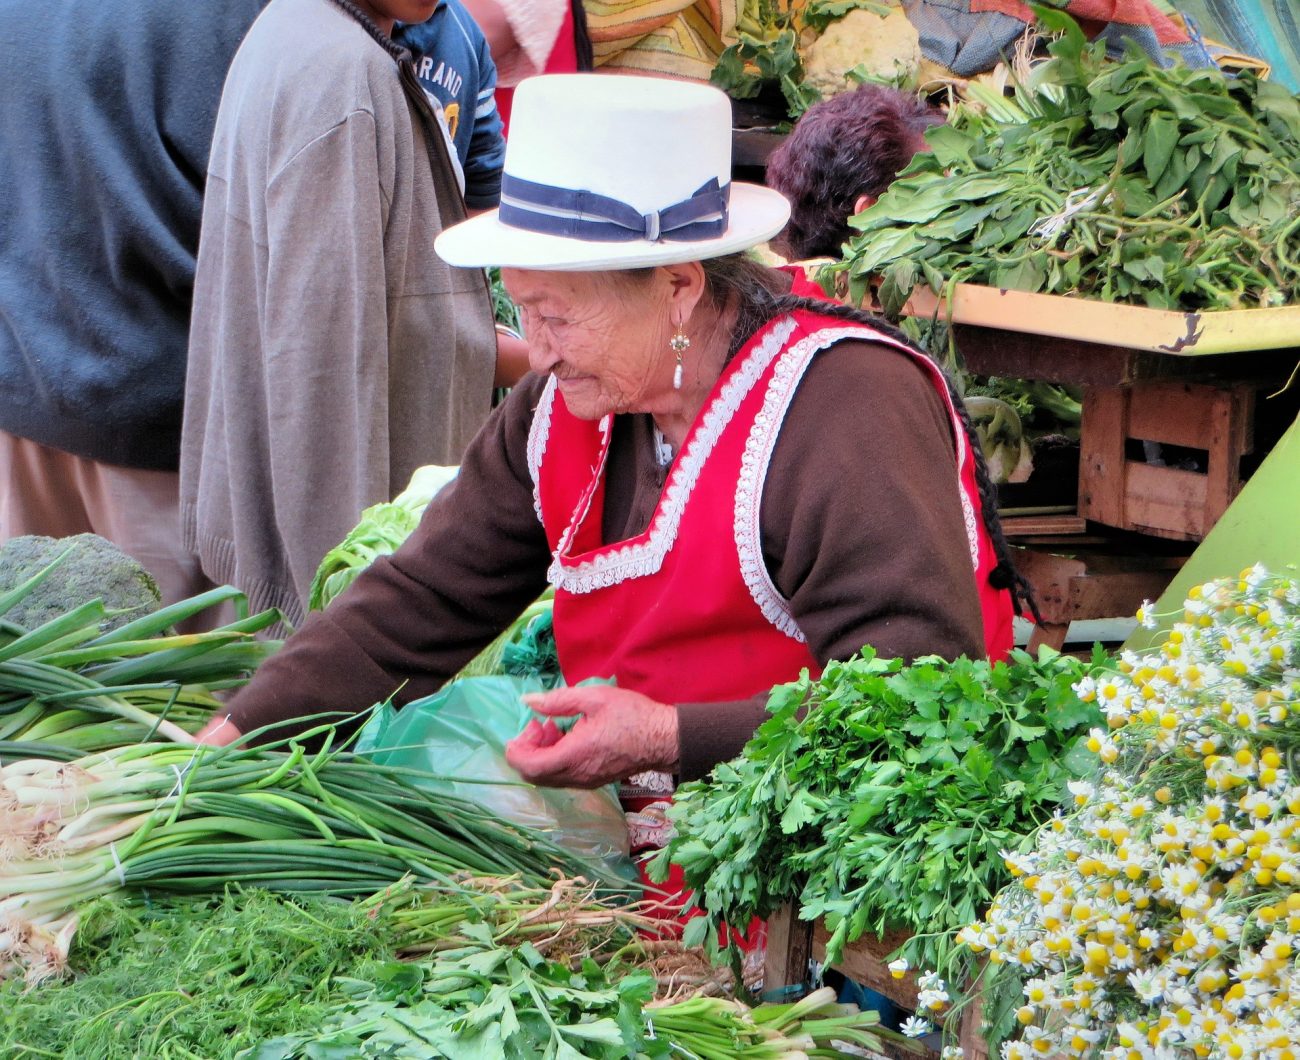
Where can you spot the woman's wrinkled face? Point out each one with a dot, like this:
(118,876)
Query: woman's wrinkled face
(604,338)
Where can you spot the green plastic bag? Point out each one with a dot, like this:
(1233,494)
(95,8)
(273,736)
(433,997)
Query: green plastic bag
(457,738)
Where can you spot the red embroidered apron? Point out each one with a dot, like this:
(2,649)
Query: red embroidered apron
(686,611)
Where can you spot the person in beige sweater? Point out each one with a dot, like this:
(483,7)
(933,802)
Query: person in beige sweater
(331,350)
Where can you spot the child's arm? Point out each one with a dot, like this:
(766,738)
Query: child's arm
(487,146)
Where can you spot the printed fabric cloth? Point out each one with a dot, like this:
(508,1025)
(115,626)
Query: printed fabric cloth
(676,38)
(969,37)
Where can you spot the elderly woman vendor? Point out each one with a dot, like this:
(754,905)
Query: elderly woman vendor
(724,484)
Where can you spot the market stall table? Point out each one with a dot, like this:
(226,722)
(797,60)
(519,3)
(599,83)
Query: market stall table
(1153,380)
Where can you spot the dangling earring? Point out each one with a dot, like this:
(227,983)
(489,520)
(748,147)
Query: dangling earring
(679,344)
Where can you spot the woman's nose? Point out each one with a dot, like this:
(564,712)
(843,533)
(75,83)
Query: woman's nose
(541,357)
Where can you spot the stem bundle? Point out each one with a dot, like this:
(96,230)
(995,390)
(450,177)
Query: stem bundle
(191,820)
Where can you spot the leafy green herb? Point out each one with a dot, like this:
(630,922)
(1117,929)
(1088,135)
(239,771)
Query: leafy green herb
(882,796)
(185,978)
(1170,188)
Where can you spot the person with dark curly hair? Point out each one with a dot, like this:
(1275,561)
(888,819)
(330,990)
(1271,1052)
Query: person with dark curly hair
(843,153)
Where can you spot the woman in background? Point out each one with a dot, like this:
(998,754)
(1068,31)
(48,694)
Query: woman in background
(839,159)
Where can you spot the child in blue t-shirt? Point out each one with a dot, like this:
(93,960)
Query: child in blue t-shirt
(455,67)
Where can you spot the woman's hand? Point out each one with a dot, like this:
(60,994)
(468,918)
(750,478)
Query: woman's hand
(218,732)
(620,733)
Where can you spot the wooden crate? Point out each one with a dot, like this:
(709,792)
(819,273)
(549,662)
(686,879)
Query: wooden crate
(792,943)
(1088,586)
(1165,501)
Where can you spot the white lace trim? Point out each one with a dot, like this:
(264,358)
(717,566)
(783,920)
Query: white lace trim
(645,557)
(538,435)
(754,463)
(757,457)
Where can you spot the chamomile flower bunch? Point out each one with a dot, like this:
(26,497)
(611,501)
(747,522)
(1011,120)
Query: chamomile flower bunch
(1159,915)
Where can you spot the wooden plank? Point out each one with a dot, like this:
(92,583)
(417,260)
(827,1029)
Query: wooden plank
(1166,501)
(1160,331)
(1116,595)
(989,351)
(1049,575)
(974,1046)
(1038,525)
(1229,435)
(1177,414)
(789,948)
(1101,456)
(866,962)
(1051,634)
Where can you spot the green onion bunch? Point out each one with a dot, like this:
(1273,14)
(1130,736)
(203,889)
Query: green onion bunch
(68,689)
(191,820)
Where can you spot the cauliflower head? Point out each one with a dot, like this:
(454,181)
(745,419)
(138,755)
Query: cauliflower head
(885,47)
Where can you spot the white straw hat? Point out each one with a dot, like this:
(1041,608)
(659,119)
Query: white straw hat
(616,172)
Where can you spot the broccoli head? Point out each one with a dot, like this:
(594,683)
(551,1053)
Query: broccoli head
(93,569)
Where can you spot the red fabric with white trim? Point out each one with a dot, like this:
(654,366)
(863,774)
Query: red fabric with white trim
(666,613)
(684,612)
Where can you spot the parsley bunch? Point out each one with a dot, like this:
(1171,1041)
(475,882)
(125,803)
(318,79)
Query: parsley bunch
(883,795)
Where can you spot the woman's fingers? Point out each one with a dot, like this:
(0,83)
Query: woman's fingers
(540,734)
(619,733)
(566,702)
(218,732)
(553,764)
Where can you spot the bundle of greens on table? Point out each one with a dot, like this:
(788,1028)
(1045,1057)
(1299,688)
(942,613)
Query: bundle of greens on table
(883,796)
(1169,188)
(478,967)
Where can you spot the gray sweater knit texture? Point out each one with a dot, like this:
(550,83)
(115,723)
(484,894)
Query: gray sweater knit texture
(331,351)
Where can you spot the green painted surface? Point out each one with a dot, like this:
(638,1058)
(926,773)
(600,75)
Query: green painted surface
(1261,526)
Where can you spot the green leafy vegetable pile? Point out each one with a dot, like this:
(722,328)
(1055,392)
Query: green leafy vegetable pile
(482,968)
(486,992)
(380,532)
(179,979)
(768,34)
(888,802)
(1175,189)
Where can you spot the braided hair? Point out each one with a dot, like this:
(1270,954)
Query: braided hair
(753,286)
(386,42)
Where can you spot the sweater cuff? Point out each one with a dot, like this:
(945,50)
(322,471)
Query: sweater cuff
(309,668)
(709,733)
